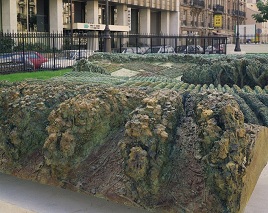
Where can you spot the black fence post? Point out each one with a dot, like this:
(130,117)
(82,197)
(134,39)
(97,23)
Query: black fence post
(186,45)
(79,46)
(164,44)
(136,45)
(54,53)
(151,43)
(176,44)
(120,44)
(23,52)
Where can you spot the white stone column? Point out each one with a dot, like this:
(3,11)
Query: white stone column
(165,22)
(174,27)
(92,12)
(55,16)
(92,16)
(56,22)
(9,16)
(145,23)
(122,13)
(122,19)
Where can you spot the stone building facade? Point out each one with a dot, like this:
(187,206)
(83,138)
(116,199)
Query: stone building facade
(135,16)
(207,17)
(170,17)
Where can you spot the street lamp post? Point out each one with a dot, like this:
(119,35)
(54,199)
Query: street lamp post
(107,36)
(237,39)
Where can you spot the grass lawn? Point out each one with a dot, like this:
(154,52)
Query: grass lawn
(33,75)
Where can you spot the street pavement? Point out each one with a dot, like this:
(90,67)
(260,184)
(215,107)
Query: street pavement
(259,198)
(248,48)
(22,196)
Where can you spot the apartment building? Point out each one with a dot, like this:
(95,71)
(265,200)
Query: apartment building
(207,17)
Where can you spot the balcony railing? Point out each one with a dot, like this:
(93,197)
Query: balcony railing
(218,8)
(239,13)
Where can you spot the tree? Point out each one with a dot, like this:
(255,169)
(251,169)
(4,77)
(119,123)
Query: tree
(263,15)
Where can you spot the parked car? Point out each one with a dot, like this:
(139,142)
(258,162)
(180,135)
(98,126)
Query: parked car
(160,49)
(193,49)
(36,58)
(11,63)
(210,50)
(180,49)
(131,50)
(77,54)
(215,49)
(62,60)
(66,58)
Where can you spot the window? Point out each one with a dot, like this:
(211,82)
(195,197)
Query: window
(32,15)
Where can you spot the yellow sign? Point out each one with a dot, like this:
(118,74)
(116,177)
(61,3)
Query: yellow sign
(218,20)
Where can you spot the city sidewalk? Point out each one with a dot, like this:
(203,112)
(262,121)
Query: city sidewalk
(259,198)
(248,48)
(22,196)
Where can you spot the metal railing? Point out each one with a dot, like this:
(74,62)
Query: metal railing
(34,51)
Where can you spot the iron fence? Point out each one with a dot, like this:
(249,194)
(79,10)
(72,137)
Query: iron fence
(35,51)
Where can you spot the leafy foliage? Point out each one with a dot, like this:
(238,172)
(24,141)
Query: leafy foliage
(263,15)
(6,44)
(84,65)
(240,71)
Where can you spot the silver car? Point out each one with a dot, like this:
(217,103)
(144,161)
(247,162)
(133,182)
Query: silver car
(66,58)
(160,49)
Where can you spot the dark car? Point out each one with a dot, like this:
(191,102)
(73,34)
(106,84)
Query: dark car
(180,49)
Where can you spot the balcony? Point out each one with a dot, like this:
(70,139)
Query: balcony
(198,3)
(239,13)
(218,8)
